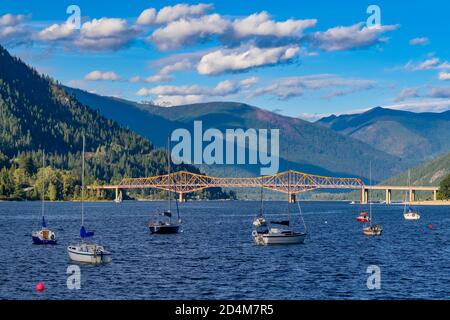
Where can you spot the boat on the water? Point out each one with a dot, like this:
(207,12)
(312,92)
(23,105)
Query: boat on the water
(162,223)
(410,213)
(87,252)
(276,232)
(44,235)
(371,229)
(363,217)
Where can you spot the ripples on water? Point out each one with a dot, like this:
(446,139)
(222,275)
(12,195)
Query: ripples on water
(215,258)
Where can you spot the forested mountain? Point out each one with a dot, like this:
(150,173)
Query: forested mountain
(37,113)
(304,146)
(412,136)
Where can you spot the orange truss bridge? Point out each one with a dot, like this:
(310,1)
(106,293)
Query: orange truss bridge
(289,182)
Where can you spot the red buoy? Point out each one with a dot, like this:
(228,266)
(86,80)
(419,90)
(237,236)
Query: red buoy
(430,226)
(40,286)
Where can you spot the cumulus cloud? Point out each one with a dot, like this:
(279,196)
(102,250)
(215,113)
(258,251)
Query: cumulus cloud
(102,75)
(439,92)
(429,64)
(350,37)
(260,24)
(188,31)
(57,32)
(419,41)
(13,32)
(172,13)
(105,34)
(242,59)
(288,88)
(407,93)
(10,20)
(444,76)
(176,95)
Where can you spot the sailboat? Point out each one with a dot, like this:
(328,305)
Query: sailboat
(87,252)
(276,232)
(45,235)
(163,223)
(409,213)
(372,230)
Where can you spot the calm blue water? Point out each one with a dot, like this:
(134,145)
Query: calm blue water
(214,258)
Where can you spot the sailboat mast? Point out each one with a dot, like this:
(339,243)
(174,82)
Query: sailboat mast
(43,183)
(169,172)
(82,184)
(289,197)
(370,199)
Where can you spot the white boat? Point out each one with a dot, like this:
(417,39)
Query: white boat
(278,236)
(409,213)
(87,252)
(370,229)
(44,235)
(264,234)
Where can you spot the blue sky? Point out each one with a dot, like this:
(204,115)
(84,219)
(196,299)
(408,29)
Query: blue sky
(299,58)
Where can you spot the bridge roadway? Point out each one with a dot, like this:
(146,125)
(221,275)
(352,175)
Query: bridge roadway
(289,182)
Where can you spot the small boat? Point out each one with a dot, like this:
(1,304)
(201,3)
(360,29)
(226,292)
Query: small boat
(87,252)
(409,213)
(373,230)
(363,217)
(353,202)
(272,233)
(44,235)
(370,229)
(163,223)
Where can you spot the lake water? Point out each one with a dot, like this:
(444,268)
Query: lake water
(215,258)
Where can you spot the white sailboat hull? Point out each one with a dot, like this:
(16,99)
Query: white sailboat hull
(279,238)
(411,216)
(89,253)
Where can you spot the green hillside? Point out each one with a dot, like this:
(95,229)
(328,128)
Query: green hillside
(36,113)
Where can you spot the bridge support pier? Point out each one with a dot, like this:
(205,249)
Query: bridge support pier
(434,195)
(118,195)
(292,198)
(388,196)
(182,198)
(412,195)
(364,196)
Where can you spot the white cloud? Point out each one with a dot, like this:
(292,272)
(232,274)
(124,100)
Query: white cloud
(102,75)
(176,95)
(444,76)
(439,92)
(288,88)
(407,93)
(188,31)
(57,32)
(260,24)
(105,34)
(419,41)
(429,64)
(172,13)
(426,105)
(13,32)
(10,20)
(241,59)
(351,37)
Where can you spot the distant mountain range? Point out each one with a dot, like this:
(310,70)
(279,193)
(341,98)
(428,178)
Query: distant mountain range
(414,137)
(304,146)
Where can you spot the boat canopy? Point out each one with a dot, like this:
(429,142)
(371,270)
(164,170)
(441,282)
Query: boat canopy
(282,223)
(85,234)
